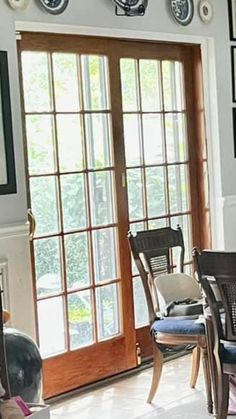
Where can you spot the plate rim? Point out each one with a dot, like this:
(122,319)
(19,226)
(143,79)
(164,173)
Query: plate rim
(18,6)
(55,11)
(191,14)
(201,14)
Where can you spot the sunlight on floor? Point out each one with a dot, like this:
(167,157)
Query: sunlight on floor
(126,398)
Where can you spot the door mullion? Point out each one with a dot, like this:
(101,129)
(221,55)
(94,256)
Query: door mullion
(122,207)
(59,203)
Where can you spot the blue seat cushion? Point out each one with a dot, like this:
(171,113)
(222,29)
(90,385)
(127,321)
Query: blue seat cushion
(178,327)
(228,354)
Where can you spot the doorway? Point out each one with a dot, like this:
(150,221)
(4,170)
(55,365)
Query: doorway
(114,140)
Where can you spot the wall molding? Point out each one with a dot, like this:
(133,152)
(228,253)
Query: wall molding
(226,231)
(14,230)
(105,31)
(227,201)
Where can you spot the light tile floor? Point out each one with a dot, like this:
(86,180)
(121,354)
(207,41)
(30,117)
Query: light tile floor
(126,398)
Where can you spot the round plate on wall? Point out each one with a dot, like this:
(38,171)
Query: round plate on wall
(182,10)
(54,6)
(18,4)
(132,7)
(205,10)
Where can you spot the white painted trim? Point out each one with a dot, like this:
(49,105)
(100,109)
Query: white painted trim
(212,131)
(5,284)
(229,201)
(226,208)
(109,32)
(14,230)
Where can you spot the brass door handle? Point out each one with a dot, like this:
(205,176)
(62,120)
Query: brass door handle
(32,224)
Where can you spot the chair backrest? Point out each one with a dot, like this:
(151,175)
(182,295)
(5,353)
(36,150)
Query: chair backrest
(218,269)
(151,250)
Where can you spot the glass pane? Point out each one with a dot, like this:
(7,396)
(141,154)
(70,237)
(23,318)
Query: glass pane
(137,227)
(176,253)
(133,228)
(98,139)
(132,140)
(37,89)
(77,260)
(153,139)
(73,202)
(176,143)
(162,222)
(44,204)
(95,82)
(173,87)
(108,311)
(185,223)
(135,194)
(178,188)
(140,304)
(128,69)
(101,197)
(188,269)
(80,319)
(65,82)
(52,340)
(150,85)
(69,143)
(155,181)
(48,266)
(104,251)
(40,144)
(206,185)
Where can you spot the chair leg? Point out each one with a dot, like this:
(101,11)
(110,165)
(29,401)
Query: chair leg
(212,363)
(207,376)
(195,366)
(156,374)
(223,396)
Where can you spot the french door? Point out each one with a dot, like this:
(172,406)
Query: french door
(110,132)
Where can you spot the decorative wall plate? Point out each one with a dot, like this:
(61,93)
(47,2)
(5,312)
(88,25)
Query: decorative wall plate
(18,4)
(182,10)
(205,10)
(54,6)
(131,7)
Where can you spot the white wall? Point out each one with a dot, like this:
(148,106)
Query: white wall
(98,16)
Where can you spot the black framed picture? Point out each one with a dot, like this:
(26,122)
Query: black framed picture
(233,67)
(234,130)
(7,160)
(232,19)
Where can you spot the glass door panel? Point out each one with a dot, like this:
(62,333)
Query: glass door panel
(79,198)
(156,152)
(73,197)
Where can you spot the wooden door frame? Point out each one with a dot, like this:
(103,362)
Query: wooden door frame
(207,47)
(36,41)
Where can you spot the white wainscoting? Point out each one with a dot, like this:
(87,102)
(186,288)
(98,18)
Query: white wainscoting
(15,254)
(228,207)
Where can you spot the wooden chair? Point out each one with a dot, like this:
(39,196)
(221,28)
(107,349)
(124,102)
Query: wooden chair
(153,251)
(217,276)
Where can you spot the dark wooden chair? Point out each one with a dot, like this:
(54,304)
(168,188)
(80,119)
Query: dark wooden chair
(217,275)
(153,252)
